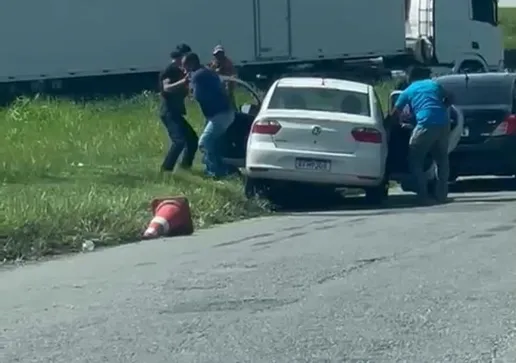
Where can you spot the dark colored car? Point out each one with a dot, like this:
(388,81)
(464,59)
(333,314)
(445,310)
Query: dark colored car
(488,142)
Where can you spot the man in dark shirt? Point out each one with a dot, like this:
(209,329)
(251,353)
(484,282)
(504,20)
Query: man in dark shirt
(209,91)
(172,113)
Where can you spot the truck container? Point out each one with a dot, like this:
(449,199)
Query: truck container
(72,45)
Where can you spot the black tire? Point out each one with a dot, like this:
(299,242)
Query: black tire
(377,195)
(254,188)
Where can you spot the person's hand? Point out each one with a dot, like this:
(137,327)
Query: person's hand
(406,126)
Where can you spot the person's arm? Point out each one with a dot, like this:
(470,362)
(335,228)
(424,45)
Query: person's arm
(171,87)
(213,66)
(402,101)
(397,111)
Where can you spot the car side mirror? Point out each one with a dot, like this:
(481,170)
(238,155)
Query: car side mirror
(249,109)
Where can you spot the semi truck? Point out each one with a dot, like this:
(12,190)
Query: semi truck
(81,46)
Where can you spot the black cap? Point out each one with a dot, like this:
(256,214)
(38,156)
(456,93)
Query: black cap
(183,48)
(175,54)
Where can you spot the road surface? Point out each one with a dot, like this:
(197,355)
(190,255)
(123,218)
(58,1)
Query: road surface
(417,285)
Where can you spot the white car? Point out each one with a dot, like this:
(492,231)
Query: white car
(318,132)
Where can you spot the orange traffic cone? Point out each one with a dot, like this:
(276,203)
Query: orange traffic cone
(172,217)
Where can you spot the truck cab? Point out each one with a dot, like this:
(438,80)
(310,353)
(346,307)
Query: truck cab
(461,34)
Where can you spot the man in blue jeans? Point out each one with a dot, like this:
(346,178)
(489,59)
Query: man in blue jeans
(209,91)
(429,104)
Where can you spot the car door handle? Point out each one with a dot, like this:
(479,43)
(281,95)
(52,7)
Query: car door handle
(475,45)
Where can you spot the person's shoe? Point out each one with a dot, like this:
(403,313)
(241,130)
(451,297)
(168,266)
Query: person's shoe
(163,169)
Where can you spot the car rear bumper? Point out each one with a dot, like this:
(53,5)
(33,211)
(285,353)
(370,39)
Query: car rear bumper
(346,169)
(496,156)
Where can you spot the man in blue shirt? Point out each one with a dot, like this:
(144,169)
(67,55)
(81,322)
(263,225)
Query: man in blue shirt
(210,92)
(429,104)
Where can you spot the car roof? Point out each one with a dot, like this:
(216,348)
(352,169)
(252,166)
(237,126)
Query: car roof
(502,79)
(319,82)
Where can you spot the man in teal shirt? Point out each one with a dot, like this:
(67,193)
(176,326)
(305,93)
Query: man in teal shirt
(429,104)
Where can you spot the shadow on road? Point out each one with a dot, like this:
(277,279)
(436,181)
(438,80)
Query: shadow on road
(356,203)
(405,202)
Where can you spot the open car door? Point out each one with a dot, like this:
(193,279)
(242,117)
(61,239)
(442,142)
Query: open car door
(456,119)
(457,127)
(247,101)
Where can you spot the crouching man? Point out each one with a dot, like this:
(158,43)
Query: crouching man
(429,104)
(209,91)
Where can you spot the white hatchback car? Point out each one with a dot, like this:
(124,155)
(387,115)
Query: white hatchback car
(321,131)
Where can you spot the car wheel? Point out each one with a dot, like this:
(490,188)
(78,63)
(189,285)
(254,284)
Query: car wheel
(377,195)
(254,188)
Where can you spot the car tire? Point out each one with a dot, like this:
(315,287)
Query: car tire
(377,195)
(254,188)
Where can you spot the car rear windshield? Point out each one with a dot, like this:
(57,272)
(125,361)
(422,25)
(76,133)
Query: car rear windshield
(479,94)
(320,99)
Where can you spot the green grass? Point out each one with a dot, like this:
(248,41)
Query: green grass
(71,172)
(507,19)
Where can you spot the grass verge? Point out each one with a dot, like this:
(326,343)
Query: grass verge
(507,20)
(71,172)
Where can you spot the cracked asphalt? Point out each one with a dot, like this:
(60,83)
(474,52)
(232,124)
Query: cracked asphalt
(404,284)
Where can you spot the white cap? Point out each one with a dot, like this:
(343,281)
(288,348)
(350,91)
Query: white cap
(218,49)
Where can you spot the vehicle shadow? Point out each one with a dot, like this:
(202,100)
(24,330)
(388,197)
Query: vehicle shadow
(483,185)
(356,203)
(406,202)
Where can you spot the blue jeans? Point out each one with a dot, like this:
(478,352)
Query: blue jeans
(210,141)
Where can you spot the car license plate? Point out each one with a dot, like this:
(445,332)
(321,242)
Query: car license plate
(465,132)
(313,164)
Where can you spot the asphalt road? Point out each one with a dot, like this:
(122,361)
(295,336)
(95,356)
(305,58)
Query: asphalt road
(435,284)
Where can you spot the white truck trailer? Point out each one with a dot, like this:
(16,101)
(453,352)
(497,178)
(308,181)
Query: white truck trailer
(72,44)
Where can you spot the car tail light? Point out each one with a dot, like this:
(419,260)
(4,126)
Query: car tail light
(367,134)
(266,127)
(507,127)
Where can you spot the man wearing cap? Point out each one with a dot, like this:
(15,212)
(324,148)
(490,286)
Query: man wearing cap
(174,89)
(224,66)
(208,90)
(183,48)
